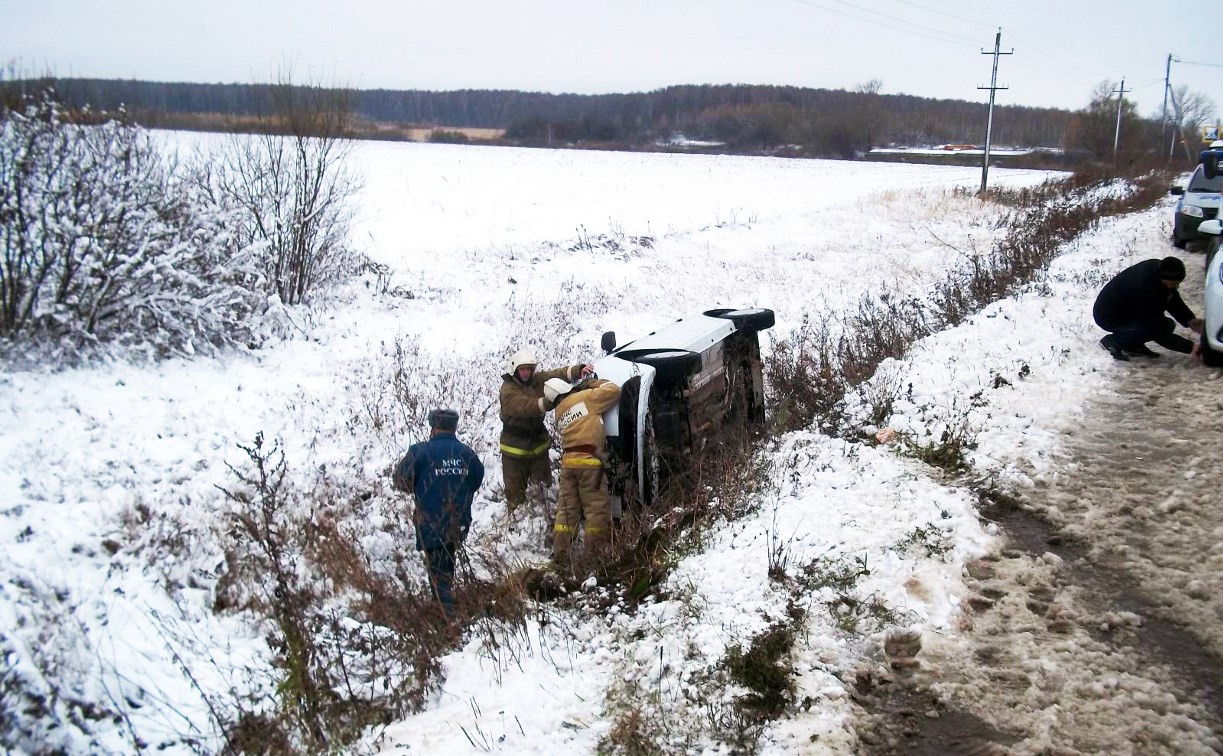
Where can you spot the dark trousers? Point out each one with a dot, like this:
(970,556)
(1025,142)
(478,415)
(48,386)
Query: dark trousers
(1159,330)
(518,471)
(440,564)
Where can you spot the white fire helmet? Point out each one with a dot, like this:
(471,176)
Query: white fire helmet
(554,387)
(520,358)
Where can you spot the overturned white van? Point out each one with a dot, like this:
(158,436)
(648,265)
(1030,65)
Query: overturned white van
(680,386)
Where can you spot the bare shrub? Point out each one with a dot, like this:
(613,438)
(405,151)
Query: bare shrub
(290,188)
(400,385)
(778,551)
(810,372)
(632,734)
(948,450)
(356,638)
(263,571)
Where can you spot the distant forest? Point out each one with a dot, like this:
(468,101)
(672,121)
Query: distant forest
(744,118)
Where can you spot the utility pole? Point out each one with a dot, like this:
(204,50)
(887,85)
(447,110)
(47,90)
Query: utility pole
(1120,99)
(1176,126)
(993,87)
(1163,121)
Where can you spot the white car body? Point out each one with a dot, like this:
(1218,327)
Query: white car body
(620,372)
(680,385)
(1200,200)
(1212,329)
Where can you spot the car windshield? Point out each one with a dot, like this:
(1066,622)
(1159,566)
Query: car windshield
(1199,182)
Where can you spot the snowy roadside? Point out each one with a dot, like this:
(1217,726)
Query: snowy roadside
(1013,380)
(112,511)
(1076,630)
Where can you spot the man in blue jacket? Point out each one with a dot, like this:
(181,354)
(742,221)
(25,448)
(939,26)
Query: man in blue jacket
(444,474)
(1132,306)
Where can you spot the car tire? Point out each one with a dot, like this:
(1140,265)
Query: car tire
(752,319)
(1210,357)
(665,361)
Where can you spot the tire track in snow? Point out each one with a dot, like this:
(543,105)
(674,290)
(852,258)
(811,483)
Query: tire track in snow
(1096,627)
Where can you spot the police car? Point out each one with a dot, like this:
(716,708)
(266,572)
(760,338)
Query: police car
(1199,201)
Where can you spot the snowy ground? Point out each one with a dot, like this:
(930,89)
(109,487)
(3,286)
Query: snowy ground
(1091,627)
(110,495)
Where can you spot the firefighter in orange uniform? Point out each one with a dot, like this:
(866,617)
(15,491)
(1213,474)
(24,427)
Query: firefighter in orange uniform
(583,486)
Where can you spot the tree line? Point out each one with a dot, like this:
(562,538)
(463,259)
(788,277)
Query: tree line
(755,119)
(764,117)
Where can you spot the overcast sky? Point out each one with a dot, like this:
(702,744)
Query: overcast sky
(930,48)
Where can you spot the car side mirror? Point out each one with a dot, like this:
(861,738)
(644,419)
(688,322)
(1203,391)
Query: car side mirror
(1210,164)
(608,342)
(1212,227)
(1176,190)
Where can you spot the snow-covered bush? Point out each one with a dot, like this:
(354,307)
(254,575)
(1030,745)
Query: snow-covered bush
(102,242)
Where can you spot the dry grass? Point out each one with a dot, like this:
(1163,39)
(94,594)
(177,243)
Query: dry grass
(810,372)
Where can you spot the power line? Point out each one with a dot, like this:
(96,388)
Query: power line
(1027,47)
(1046,71)
(880,23)
(1195,63)
(1146,84)
(905,21)
(948,15)
(1030,48)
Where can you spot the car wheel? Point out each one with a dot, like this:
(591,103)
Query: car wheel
(667,362)
(1210,357)
(752,319)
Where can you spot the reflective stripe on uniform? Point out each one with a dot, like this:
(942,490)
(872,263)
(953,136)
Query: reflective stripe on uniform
(562,528)
(581,462)
(514,451)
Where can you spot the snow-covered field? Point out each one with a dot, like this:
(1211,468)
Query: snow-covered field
(110,497)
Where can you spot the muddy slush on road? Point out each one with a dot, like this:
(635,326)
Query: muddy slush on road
(1097,624)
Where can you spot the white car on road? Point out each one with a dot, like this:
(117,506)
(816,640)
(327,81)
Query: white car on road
(1212,330)
(1199,202)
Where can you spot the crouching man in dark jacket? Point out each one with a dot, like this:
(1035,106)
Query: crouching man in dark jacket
(1132,306)
(444,474)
